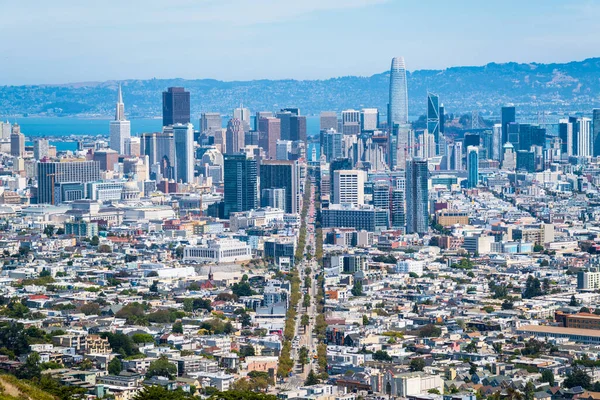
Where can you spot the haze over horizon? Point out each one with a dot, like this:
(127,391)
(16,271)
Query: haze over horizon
(269,39)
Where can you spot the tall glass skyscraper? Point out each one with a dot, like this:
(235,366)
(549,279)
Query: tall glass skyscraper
(472,166)
(240,183)
(417,196)
(433,116)
(398,102)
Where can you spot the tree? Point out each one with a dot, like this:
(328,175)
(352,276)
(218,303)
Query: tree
(90,309)
(573,302)
(303,356)
(242,289)
(365,320)
(305,321)
(357,289)
(177,327)
(86,364)
(161,367)
(49,230)
(247,351)
(548,376)
(538,248)
(245,319)
(382,355)
(311,379)
(142,338)
(584,310)
(507,305)
(95,241)
(115,367)
(154,287)
(578,377)
(430,330)
(31,368)
(533,288)
(417,364)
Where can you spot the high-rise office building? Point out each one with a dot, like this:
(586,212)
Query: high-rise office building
(160,149)
(120,128)
(243,114)
(402,142)
(5,130)
(284,148)
(398,213)
(427,146)
(240,183)
(582,136)
(497,142)
(259,115)
(41,149)
(531,135)
(282,174)
(274,198)
(508,116)
(17,142)
(565,133)
(596,131)
(269,133)
(381,195)
(234,136)
(176,106)
(52,176)
(417,196)
(210,122)
(398,99)
(369,119)
(433,116)
(472,166)
(328,120)
(336,165)
(133,146)
(331,144)
(107,159)
(350,122)
(298,128)
(349,187)
(183,137)
(284,122)
(442,118)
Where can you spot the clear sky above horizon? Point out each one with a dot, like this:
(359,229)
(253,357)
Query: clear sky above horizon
(77,41)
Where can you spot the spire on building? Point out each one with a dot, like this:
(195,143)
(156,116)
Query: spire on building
(120,111)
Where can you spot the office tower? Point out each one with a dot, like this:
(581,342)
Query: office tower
(349,187)
(259,115)
(531,135)
(508,115)
(487,143)
(234,136)
(176,106)
(497,142)
(350,122)
(240,183)
(53,175)
(472,139)
(455,156)
(596,131)
(298,128)
(336,165)
(274,198)
(243,114)
(381,195)
(183,136)
(509,159)
(398,100)
(328,120)
(106,158)
(433,116)
(276,174)
(210,122)
(284,118)
(398,210)
(369,119)
(582,136)
(251,138)
(525,161)
(133,146)
(120,128)
(417,196)
(284,148)
(5,130)
(472,166)
(331,144)
(565,133)
(402,143)
(512,130)
(427,146)
(41,149)
(17,142)
(293,110)
(269,133)
(160,149)
(442,118)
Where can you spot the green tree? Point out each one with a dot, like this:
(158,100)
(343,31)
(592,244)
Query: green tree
(430,330)
(417,364)
(357,289)
(382,355)
(95,241)
(49,230)
(86,364)
(31,368)
(305,321)
(365,320)
(90,309)
(311,379)
(548,376)
(161,367)
(578,377)
(533,288)
(115,366)
(177,327)
(573,302)
(303,356)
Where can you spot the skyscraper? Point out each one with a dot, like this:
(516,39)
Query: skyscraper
(398,209)
(398,100)
(41,149)
(508,116)
(596,131)
(17,142)
(369,119)
(52,175)
(240,183)
(497,142)
(350,122)
(120,128)
(210,121)
(565,133)
(234,136)
(284,118)
(472,166)
(328,120)
(243,114)
(160,149)
(259,115)
(349,187)
(582,135)
(298,128)
(331,144)
(433,116)
(183,136)
(417,196)
(269,133)
(275,174)
(176,106)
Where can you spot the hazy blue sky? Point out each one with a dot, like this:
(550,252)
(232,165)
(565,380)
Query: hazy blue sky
(73,40)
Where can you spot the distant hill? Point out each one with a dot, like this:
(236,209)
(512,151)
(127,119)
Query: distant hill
(569,87)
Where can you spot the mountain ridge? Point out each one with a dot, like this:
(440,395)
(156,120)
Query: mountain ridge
(561,87)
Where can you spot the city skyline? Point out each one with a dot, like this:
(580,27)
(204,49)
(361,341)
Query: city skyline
(321,29)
